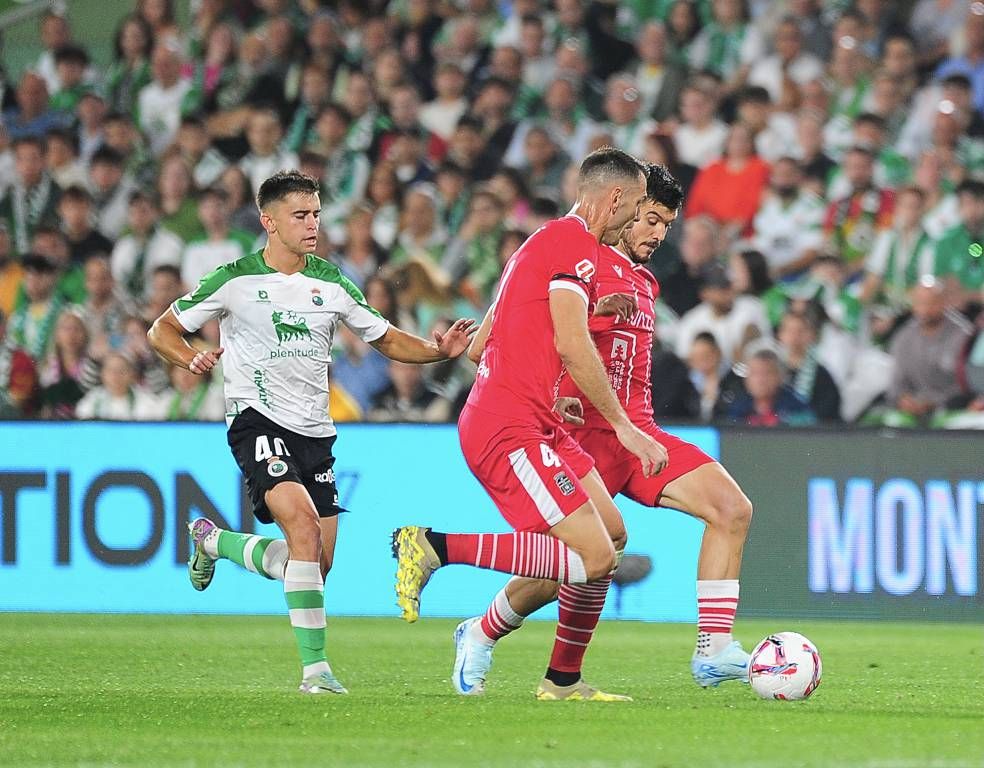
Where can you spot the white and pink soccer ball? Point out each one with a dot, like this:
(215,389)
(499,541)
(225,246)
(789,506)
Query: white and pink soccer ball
(785,666)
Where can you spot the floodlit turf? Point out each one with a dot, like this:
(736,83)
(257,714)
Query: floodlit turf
(201,691)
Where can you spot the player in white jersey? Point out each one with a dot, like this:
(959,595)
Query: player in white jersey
(278,309)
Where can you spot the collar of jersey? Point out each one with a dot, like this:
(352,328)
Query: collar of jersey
(619,252)
(571,215)
(271,271)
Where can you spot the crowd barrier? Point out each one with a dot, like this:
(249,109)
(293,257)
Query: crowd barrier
(859,524)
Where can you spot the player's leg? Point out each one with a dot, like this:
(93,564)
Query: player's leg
(294,512)
(329,535)
(262,555)
(536,492)
(709,493)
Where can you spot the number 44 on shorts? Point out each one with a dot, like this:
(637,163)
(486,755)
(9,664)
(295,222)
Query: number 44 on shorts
(263,451)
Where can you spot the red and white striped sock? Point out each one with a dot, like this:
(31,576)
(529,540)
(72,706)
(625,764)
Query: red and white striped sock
(499,620)
(717,602)
(579,608)
(536,555)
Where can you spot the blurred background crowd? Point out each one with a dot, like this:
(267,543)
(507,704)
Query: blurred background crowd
(827,268)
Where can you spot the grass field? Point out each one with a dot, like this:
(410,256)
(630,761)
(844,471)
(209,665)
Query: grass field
(207,691)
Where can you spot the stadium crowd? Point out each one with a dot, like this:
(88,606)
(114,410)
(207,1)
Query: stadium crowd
(828,266)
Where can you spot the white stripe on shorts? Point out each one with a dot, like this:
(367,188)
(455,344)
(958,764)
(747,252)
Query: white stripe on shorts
(535,487)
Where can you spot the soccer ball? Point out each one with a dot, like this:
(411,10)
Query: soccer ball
(785,666)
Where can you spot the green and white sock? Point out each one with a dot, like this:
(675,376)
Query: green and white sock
(257,554)
(305,593)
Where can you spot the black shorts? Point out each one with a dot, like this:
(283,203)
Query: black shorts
(268,454)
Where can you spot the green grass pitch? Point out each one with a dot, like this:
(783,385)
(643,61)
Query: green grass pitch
(195,691)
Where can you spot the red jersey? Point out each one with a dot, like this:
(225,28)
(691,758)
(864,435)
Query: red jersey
(520,366)
(626,348)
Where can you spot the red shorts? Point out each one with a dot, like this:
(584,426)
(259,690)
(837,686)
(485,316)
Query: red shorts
(621,471)
(532,475)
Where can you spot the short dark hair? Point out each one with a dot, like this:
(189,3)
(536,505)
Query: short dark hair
(32,139)
(871,119)
(957,80)
(662,188)
(76,194)
(708,338)
(607,163)
(215,192)
(106,155)
(754,94)
(971,187)
(167,269)
(72,53)
(284,183)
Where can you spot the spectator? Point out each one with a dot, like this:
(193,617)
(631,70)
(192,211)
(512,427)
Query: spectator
(32,324)
(701,137)
(729,44)
(130,70)
(195,147)
(660,149)
(891,169)
(358,368)
(106,307)
(421,235)
(265,157)
(18,377)
(160,17)
(75,210)
(441,115)
(682,27)
(545,161)
(562,115)
(853,222)
(90,136)
(70,63)
(926,351)
(788,223)
(539,67)
(900,257)
(164,100)
(67,372)
(767,401)
(704,361)
(733,320)
(32,117)
(191,397)
(61,159)
(164,289)
(118,398)
(54,33)
(221,244)
(245,215)
(971,63)
(798,334)
(111,189)
(790,67)
(492,107)
(679,287)
(359,257)
(32,200)
(408,398)
(11,273)
(509,185)
(146,247)
(773,130)
(50,243)
(359,101)
(814,161)
(471,259)
(383,193)
(404,115)
(959,259)
(730,189)
(660,80)
(626,122)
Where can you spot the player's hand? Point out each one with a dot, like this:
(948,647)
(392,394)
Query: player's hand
(204,362)
(621,305)
(651,453)
(570,410)
(457,338)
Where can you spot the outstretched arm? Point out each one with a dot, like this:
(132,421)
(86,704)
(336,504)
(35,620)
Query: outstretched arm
(166,336)
(407,348)
(478,340)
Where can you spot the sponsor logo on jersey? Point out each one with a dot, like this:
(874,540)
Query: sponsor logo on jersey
(282,353)
(325,477)
(565,484)
(276,467)
(259,379)
(290,328)
(585,269)
(262,295)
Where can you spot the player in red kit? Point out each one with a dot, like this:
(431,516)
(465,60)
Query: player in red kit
(692,481)
(542,482)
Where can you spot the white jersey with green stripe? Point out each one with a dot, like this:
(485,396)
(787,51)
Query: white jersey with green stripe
(277,333)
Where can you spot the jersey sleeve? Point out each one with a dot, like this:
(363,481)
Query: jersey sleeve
(363,320)
(208,300)
(572,262)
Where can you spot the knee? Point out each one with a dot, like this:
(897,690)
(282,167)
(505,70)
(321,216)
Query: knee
(732,515)
(599,561)
(304,539)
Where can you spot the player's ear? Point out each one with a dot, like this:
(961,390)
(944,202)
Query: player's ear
(616,199)
(267,222)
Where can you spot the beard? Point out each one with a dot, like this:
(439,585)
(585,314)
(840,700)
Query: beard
(639,252)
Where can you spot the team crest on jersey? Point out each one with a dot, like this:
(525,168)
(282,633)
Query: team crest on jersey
(317,301)
(290,328)
(584,269)
(565,484)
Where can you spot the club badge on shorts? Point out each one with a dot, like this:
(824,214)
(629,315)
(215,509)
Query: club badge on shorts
(276,468)
(565,484)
